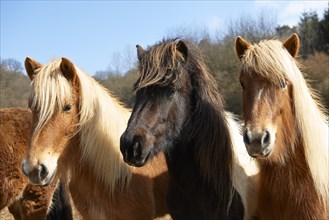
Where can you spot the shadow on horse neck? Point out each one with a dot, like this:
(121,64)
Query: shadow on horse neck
(179,110)
(286,130)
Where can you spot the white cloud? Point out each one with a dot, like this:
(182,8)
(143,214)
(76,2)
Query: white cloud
(214,23)
(289,12)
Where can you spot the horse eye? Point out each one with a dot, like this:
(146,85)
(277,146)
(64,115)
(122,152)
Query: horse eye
(67,108)
(283,84)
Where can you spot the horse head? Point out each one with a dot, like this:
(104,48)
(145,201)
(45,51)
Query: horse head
(54,103)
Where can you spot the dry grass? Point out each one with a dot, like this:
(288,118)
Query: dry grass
(316,70)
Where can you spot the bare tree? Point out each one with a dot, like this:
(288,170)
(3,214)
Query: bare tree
(11,65)
(254,28)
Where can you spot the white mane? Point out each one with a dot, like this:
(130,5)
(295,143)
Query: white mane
(245,168)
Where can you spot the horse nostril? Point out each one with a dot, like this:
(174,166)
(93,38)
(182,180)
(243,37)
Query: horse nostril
(266,138)
(43,171)
(23,168)
(135,146)
(246,138)
(137,149)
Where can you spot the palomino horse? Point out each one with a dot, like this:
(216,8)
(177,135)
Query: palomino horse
(76,131)
(178,110)
(285,130)
(24,200)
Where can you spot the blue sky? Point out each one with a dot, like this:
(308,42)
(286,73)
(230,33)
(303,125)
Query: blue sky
(101,35)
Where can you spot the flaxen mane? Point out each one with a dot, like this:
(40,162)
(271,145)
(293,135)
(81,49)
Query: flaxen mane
(100,131)
(209,128)
(49,92)
(270,59)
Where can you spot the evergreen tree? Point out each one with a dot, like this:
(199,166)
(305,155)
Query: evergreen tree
(285,31)
(324,32)
(308,29)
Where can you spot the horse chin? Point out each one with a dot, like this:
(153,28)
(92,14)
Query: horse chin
(266,153)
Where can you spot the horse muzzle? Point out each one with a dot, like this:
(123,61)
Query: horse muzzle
(38,174)
(258,143)
(133,150)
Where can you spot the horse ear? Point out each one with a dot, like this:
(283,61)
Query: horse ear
(30,66)
(241,45)
(181,47)
(292,45)
(68,69)
(140,52)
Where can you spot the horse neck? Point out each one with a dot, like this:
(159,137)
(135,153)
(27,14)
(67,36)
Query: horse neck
(289,181)
(292,168)
(208,133)
(100,139)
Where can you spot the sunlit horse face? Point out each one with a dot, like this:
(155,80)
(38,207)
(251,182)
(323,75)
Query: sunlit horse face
(263,106)
(50,140)
(267,106)
(160,109)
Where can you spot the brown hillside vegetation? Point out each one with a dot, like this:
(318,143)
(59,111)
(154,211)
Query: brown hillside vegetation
(316,69)
(14,85)
(219,55)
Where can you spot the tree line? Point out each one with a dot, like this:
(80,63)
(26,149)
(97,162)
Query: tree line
(219,55)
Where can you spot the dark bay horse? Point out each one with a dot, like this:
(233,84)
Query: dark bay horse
(179,111)
(76,131)
(24,201)
(286,130)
